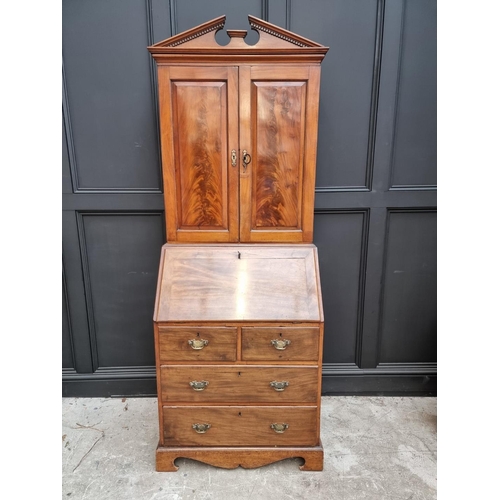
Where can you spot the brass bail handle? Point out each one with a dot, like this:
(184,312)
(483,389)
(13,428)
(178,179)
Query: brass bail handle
(198,385)
(197,344)
(246,158)
(280,344)
(279,428)
(201,428)
(279,386)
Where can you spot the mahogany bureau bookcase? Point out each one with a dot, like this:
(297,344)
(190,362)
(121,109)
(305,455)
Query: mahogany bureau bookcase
(238,316)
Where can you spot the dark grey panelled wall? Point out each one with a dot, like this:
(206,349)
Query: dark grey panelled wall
(375,223)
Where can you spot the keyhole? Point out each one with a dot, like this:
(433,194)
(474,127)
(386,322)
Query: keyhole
(198,334)
(239,414)
(239,374)
(281,335)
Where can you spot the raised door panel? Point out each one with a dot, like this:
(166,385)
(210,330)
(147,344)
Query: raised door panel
(278,117)
(199,129)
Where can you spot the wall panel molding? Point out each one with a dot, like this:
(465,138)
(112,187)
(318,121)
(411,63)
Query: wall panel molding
(80,215)
(381,369)
(172,5)
(87,154)
(372,122)
(365,213)
(70,144)
(87,288)
(377,59)
(265,10)
(154,90)
(288,14)
(117,372)
(68,316)
(391,211)
(395,120)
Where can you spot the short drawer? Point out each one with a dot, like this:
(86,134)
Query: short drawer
(280,343)
(239,384)
(240,426)
(179,343)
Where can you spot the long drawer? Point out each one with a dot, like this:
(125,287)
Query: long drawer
(203,343)
(239,384)
(280,343)
(240,426)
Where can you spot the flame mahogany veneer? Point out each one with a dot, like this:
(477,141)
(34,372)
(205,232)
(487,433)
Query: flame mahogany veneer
(238,314)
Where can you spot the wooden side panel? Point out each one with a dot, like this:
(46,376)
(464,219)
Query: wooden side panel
(239,384)
(239,425)
(277,186)
(199,129)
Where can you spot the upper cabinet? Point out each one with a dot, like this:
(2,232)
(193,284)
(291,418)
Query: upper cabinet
(238,134)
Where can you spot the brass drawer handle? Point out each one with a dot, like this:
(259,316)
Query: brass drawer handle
(197,344)
(279,386)
(198,386)
(280,345)
(279,428)
(201,428)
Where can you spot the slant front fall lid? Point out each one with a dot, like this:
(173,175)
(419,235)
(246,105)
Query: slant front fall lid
(273,41)
(238,283)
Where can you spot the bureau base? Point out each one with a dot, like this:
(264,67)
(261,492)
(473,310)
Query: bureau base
(246,457)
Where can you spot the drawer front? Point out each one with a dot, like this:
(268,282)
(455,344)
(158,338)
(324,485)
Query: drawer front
(280,343)
(178,343)
(240,426)
(235,384)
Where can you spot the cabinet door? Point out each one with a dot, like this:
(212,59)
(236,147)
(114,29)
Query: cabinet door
(278,130)
(199,129)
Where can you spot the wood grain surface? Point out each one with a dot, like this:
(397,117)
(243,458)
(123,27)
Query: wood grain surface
(256,343)
(277,112)
(279,136)
(238,282)
(199,128)
(200,138)
(239,384)
(245,457)
(239,425)
(173,343)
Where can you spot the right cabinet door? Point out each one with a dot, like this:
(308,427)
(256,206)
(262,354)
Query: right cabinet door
(278,136)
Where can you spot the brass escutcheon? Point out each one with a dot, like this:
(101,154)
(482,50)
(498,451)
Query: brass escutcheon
(279,428)
(233,157)
(201,428)
(246,159)
(279,344)
(279,386)
(198,386)
(197,344)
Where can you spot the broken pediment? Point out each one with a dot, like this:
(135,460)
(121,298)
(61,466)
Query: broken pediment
(272,40)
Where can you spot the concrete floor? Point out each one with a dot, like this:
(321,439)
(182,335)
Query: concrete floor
(375,448)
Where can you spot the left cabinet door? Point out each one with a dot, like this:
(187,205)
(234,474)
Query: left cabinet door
(199,132)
